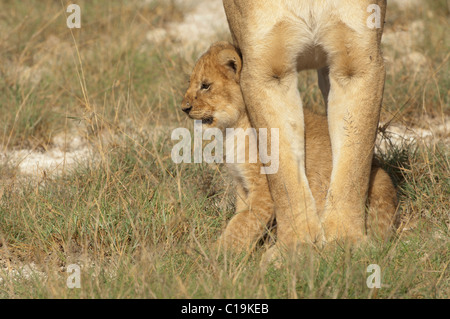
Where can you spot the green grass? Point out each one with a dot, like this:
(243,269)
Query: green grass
(141,225)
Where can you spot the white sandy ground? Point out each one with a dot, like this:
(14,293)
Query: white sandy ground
(204,23)
(26,272)
(63,155)
(31,271)
(397,135)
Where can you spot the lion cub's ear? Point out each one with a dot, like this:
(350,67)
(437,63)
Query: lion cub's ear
(230,59)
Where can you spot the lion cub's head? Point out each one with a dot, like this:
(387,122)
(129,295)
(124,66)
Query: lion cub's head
(214,94)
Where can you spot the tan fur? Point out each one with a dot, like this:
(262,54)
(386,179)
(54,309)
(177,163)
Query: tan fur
(278,38)
(224,102)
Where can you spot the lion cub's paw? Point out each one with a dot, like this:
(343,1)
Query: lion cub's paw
(233,245)
(272,257)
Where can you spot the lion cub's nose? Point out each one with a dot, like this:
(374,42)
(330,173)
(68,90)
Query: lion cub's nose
(186,108)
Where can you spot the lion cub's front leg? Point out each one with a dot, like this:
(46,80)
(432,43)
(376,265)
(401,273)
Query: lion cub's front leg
(254,212)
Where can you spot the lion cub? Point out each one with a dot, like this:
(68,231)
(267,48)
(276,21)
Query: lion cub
(214,96)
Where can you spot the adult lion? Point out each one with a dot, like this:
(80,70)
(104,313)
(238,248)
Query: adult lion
(278,38)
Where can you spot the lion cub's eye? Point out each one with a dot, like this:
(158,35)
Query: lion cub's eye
(205,86)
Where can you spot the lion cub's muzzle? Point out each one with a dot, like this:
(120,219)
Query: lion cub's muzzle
(186,107)
(196,113)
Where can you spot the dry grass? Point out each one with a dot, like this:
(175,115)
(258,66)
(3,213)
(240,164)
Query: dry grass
(139,224)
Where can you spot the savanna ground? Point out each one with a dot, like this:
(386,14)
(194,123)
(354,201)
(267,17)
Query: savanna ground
(86,175)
